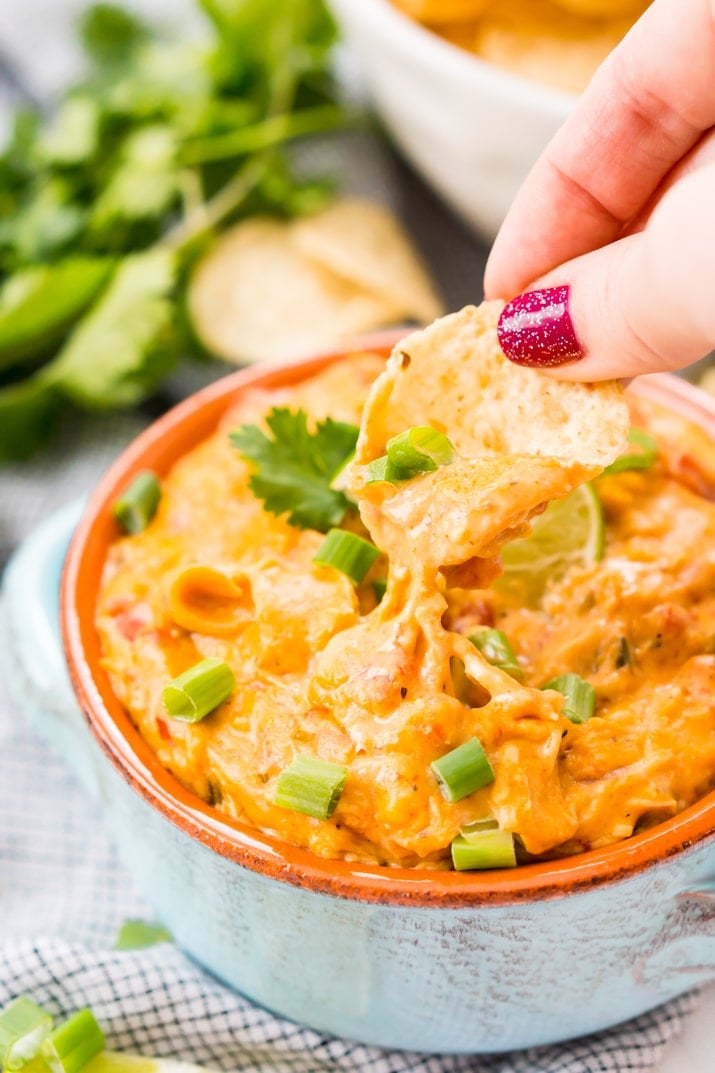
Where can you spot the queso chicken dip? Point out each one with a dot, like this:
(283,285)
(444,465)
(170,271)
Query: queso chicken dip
(312,632)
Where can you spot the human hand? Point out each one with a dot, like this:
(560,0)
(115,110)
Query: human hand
(613,232)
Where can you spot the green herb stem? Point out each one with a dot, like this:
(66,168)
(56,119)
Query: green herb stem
(494,646)
(311,786)
(348,553)
(73,1044)
(227,201)
(579,696)
(463,770)
(137,504)
(419,450)
(382,469)
(486,823)
(199,691)
(483,849)
(270,132)
(23,1027)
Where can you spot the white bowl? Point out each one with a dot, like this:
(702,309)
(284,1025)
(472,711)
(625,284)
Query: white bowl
(472,129)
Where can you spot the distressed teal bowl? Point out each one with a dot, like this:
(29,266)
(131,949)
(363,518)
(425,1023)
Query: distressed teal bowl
(425,961)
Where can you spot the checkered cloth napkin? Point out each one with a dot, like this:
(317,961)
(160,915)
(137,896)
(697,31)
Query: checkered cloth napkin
(64,894)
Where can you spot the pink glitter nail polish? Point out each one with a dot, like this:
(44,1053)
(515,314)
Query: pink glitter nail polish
(536,329)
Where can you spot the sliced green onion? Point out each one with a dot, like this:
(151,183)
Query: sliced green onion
(137,504)
(73,1044)
(494,646)
(463,771)
(310,786)
(199,691)
(383,470)
(642,459)
(138,935)
(23,1027)
(348,553)
(419,450)
(487,823)
(483,849)
(379,587)
(579,696)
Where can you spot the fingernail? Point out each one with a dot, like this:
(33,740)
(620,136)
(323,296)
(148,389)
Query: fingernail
(536,329)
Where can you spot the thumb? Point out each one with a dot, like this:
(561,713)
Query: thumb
(642,304)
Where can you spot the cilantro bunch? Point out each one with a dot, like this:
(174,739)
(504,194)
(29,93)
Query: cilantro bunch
(104,207)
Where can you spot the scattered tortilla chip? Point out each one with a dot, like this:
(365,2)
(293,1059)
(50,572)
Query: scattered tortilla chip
(443,10)
(272,291)
(538,41)
(256,297)
(601,9)
(520,438)
(364,243)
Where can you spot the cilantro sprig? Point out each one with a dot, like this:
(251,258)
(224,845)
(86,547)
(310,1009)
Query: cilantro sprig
(294,466)
(108,195)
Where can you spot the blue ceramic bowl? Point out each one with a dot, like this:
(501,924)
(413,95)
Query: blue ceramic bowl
(438,962)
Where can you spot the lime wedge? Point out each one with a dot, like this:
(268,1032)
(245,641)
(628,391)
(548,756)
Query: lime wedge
(569,533)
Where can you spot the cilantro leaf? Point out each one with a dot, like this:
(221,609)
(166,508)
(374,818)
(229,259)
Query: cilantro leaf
(167,80)
(28,414)
(294,468)
(110,35)
(270,49)
(39,305)
(108,176)
(72,138)
(144,185)
(43,226)
(126,343)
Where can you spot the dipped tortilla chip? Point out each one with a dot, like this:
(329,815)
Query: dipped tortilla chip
(520,439)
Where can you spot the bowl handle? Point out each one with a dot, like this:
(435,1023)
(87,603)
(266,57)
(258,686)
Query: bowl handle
(686,946)
(36,671)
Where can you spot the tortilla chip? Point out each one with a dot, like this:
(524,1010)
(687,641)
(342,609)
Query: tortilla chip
(435,11)
(540,42)
(521,439)
(454,376)
(364,243)
(602,9)
(256,297)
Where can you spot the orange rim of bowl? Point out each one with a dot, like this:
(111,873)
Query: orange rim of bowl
(158,448)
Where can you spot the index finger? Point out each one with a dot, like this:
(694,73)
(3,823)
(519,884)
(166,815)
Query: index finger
(646,107)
